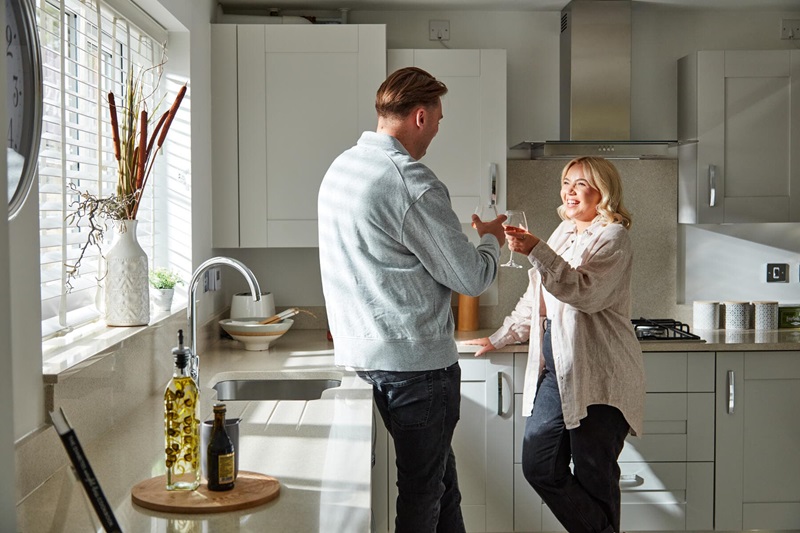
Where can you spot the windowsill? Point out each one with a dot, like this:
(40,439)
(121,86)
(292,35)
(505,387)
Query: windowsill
(68,354)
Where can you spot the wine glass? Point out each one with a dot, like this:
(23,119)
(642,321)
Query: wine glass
(515,223)
(485,212)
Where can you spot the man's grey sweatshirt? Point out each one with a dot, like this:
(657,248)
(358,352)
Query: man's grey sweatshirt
(391,252)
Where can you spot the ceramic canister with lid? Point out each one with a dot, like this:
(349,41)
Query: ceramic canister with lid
(737,316)
(766,315)
(705,315)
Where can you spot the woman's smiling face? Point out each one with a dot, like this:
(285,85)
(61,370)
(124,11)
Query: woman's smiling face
(579,197)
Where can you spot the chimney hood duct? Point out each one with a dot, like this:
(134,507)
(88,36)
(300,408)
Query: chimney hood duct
(595,86)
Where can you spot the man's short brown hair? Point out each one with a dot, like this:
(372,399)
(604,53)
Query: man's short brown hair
(406,89)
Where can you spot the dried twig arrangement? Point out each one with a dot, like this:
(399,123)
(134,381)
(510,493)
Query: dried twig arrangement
(135,152)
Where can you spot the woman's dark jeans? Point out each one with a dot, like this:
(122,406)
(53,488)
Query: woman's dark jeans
(420,410)
(588,500)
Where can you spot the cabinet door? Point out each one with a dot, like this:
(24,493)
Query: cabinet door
(748,126)
(305,94)
(757,461)
(483,445)
(472,135)
(224,137)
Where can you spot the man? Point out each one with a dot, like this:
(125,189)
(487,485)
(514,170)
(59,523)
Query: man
(391,252)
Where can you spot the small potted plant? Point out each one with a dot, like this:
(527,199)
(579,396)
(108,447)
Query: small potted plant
(163,281)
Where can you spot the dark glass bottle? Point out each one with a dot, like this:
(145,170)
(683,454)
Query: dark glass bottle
(220,453)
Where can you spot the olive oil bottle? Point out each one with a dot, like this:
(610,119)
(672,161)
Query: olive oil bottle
(220,454)
(181,424)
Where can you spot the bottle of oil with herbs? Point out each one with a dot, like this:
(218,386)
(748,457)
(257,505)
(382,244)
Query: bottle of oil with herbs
(221,458)
(181,423)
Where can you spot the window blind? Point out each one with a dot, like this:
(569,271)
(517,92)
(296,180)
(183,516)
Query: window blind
(87,51)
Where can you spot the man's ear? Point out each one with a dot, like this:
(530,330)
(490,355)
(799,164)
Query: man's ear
(420,116)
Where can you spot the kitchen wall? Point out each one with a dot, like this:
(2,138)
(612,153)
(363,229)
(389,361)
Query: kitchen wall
(7,500)
(661,35)
(650,193)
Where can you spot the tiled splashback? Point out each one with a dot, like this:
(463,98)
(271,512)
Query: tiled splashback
(650,194)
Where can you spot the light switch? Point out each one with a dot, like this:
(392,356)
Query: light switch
(777,272)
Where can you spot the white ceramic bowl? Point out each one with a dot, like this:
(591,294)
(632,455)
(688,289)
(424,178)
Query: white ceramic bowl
(255,336)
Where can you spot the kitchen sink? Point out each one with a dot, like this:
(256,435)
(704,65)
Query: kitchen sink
(273,389)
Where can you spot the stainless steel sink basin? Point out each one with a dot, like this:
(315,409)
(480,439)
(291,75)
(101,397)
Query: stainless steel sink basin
(273,389)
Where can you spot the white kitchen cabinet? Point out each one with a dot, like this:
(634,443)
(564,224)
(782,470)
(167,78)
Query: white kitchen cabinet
(482,444)
(667,474)
(303,94)
(758,438)
(743,109)
(472,136)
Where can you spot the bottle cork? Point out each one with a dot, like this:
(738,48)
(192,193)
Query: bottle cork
(467,313)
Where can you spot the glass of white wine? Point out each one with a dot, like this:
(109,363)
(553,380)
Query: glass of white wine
(486,212)
(515,223)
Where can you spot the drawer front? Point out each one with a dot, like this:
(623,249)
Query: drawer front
(655,497)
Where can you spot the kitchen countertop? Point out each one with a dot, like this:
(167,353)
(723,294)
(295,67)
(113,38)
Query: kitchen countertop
(719,340)
(320,451)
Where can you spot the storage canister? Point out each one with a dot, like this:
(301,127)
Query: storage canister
(706,315)
(766,315)
(737,316)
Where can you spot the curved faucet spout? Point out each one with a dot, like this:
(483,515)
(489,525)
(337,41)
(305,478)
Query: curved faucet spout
(191,310)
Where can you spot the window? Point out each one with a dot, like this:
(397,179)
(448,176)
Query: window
(87,51)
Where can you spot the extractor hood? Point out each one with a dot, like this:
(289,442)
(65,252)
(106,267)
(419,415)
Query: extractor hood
(595,86)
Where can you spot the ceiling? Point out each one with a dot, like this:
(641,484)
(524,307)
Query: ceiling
(495,5)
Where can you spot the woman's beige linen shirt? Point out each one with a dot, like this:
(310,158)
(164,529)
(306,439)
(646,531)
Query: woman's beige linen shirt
(585,282)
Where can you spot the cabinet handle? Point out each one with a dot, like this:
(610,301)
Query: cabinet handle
(712,185)
(493,184)
(499,394)
(731,391)
(631,480)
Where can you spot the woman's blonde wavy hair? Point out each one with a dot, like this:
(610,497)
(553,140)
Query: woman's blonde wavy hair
(603,176)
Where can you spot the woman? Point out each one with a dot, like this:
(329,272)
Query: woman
(584,382)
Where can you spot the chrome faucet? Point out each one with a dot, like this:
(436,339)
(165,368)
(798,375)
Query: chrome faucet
(191,310)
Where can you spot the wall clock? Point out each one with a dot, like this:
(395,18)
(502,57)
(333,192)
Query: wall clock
(23,100)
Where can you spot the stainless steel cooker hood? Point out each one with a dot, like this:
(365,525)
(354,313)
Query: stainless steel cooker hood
(595,86)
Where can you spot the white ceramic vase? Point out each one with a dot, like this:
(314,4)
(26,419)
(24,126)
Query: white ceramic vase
(127,292)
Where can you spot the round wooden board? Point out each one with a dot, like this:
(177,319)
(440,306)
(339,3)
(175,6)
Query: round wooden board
(251,489)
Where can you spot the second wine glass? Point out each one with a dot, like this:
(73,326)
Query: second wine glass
(515,223)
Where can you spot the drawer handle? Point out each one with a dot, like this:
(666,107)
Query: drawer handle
(631,480)
(712,185)
(503,383)
(731,391)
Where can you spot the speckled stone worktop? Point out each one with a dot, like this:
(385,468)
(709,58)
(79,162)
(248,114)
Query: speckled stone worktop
(719,340)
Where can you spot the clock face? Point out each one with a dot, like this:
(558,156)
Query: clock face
(23,100)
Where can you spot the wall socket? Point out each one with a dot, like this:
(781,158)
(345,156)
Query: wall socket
(777,273)
(212,280)
(790,29)
(439,30)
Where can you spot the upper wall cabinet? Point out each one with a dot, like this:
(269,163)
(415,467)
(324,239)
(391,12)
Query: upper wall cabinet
(286,101)
(743,109)
(470,147)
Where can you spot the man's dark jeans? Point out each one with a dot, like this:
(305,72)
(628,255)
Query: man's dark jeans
(420,410)
(588,500)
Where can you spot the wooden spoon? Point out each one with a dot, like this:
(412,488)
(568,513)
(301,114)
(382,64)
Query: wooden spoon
(280,316)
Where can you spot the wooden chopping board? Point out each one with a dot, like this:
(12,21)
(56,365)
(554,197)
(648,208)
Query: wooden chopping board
(251,489)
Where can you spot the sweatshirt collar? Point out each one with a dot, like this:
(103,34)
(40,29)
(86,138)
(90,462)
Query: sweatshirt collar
(382,141)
